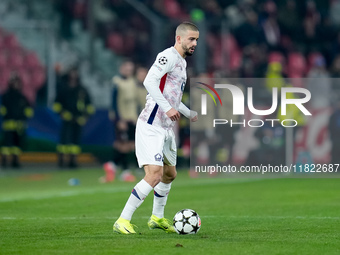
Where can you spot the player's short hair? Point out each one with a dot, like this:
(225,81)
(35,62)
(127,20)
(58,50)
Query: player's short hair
(185,26)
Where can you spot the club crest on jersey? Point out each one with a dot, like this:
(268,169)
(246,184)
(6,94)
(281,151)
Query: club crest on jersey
(163,60)
(158,157)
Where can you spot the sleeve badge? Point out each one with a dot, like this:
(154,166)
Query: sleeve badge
(162,60)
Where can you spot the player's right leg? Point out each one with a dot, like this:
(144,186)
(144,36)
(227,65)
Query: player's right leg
(149,147)
(153,175)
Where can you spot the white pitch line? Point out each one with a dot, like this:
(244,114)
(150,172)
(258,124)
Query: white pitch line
(111,189)
(276,217)
(203,217)
(69,193)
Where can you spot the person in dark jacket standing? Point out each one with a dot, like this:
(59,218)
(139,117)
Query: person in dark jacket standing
(15,110)
(74,107)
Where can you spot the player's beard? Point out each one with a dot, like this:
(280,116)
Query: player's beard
(187,50)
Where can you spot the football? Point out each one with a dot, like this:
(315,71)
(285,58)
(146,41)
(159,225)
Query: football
(187,222)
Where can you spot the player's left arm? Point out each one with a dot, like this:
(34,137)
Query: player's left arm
(192,115)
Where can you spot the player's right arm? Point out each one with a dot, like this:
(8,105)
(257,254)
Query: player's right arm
(163,64)
(173,114)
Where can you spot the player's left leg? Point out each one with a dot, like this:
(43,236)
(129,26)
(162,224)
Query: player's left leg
(161,192)
(162,189)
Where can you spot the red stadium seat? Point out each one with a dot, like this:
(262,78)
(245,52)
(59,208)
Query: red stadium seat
(296,80)
(130,43)
(25,76)
(79,9)
(115,42)
(296,64)
(276,56)
(32,61)
(235,60)
(15,60)
(2,43)
(38,78)
(27,66)
(217,58)
(233,51)
(11,42)
(311,59)
(212,40)
(286,42)
(4,77)
(296,77)
(30,94)
(215,47)
(3,59)
(229,43)
(172,8)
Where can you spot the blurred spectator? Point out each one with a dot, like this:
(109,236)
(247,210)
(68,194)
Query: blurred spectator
(211,9)
(15,110)
(336,46)
(141,91)
(74,106)
(274,77)
(335,12)
(284,25)
(104,17)
(312,13)
(226,133)
(334,130)
(319,83)
(335,68)
(311,24)
(158,8)
(66,9)
(235,15)
(290,26)
(101,13)
(271,27)
(124,113)
(202,138)
(327,37)
(250,32)
(254,61)
(272,141)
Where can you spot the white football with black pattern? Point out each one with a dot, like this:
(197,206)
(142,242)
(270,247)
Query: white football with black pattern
(187,222)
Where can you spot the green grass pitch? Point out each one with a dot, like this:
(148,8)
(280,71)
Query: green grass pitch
(41,214)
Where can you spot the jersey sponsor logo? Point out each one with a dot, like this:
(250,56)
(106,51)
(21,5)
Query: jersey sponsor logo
(158,157)
(163,60)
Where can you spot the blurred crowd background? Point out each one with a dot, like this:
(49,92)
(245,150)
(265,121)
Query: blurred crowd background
(80,65)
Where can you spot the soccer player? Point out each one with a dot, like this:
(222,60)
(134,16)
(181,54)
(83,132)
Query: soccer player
(155,139)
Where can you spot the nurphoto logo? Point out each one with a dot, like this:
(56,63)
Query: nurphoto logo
(238,106)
